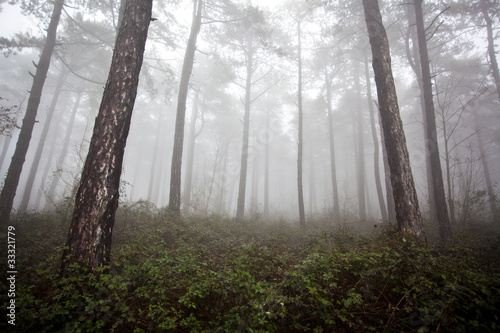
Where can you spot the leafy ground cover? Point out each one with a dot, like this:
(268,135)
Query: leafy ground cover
(213,274)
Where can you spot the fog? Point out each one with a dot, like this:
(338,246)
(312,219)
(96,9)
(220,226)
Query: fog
(335,53)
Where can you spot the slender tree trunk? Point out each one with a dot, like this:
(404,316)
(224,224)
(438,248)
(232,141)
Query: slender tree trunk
(187,68)
(153,179)
(431,137)
(486,170)
(414,61)
(62,156)
(23,207)
(405,195)
(491,46)
(188,178)
(266,170)
(240,206)
(12,180)
(333,168)
(89,237)
(302,215)
(376,150)
(449,182)
(312,184)
(360,160)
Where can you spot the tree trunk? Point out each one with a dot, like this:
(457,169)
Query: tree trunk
(302,215)
(486,170)
(23,207)
(62,156)
(89,237)
(187,68)
(5,148)
(431,135)
(491,46)
(16,165)
(333,168)
(153,179)
(376,150)
(240,206)
(188,178)
(266,170)
(360,160)
(415,65)
(405,195)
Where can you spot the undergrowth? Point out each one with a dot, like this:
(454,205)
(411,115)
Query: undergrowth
(213,274)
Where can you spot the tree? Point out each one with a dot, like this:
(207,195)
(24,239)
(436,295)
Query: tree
(16,164)
(89,237)
(405,196)
(187,68)
(486,5)
(431,132)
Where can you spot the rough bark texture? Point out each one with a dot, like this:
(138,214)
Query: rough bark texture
(405,195)
(187,67)
(23,207)
(16,165)
(302,214)
(376,154)
(431,135)
(89,237)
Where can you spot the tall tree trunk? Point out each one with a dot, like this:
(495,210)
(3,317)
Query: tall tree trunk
(89,237)
(491,46)
(302,215)
(188,178)
(331,135)
(486,170)
(187,68)
(240,206)
(5,148)
(431,135)
(376,150)
(266,169)
(23,207)
(414,61)
(153,179)
(16,165)
(405,195)
(62,156)
(360,160)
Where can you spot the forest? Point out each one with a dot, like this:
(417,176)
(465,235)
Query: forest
(250,166)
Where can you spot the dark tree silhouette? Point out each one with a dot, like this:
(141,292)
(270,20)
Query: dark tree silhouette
(89,237)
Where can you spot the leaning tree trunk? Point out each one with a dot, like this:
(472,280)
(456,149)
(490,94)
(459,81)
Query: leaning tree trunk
(405,195)
(89,237)
(187,67)
(431,135)
(16,165)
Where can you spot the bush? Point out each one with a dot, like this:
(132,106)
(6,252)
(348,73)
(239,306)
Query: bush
(210,274)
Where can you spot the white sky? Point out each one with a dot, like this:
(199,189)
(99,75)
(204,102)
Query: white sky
(12,21)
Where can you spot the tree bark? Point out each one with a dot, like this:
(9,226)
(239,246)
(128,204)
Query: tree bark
(89,237)
(431,135)
(360,160)
(187,67)
(23,207)
(376,150)
(16,165)
(405,195)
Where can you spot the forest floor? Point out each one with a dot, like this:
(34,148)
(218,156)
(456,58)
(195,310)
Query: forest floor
(214,274)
